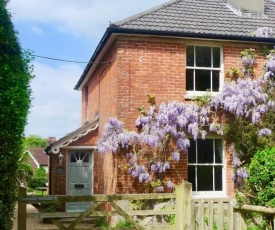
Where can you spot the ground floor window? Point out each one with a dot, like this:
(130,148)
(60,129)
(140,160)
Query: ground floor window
(206,165)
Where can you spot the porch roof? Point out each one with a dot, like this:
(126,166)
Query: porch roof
(73,136)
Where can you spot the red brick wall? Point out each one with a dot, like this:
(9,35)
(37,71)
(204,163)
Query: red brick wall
(151,66)
(131,69)
(58,180)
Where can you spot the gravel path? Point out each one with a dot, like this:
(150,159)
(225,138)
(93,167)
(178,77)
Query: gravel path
(37,224)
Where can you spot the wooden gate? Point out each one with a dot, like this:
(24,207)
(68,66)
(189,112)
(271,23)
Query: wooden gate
(181,197)
(190,214)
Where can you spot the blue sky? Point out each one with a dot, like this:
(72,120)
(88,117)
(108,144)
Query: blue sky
(70,30)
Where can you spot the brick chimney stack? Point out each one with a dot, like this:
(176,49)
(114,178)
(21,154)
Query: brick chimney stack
(51,140)
(248,6)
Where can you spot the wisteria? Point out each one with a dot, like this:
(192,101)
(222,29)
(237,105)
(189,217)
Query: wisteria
(264,132)
(169,123)
(248,57)
(246,97)
(270,66)
(169,185)
(164,132)
(264,32)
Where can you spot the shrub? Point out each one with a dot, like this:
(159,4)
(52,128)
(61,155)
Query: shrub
(101,223)
(39,178)
(15,97)
(261,181)
(122,224)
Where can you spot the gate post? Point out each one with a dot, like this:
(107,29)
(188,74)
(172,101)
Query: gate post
(183,206)
(22,209)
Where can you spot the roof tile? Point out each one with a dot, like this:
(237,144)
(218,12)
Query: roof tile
(197,16)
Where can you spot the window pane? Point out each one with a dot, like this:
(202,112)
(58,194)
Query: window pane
(216,57)
(189,79)
(202,80)
(215,80)
(205,151)
(85,157)
(190,55)
(205,178)
(73,159)
(192,176)
(203,56)
(218,151)
(77,156)
(192,152)
(218,178)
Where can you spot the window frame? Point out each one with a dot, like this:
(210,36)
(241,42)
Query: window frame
(193,93)
(209,194)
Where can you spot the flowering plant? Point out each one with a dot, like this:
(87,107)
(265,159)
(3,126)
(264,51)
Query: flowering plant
(248,57)
(163,131)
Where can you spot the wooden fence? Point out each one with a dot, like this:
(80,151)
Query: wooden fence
(182,197)
(190,214)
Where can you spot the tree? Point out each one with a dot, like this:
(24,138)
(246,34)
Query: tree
(39,178)
(35,141)
(15,92)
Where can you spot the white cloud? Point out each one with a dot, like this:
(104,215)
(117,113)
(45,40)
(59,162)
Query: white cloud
(56,105)
(37,30)
(87,18)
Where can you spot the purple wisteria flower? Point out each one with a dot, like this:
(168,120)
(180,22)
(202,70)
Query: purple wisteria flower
(150,140)
(175,156)
(160,189)
(247,61)
(235,158)
(154,168)
(264,132)
(264,32)
(245,97)
(242,172)
(270,66)
(169,185)
(144,177)
(183,144)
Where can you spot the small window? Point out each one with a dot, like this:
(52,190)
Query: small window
(79,156)
(205,165)
(203,69)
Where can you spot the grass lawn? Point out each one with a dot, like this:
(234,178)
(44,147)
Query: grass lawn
(38,192)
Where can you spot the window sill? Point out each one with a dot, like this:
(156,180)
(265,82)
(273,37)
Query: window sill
(192,95)
(210,195)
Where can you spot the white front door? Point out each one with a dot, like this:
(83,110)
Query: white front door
(79,178)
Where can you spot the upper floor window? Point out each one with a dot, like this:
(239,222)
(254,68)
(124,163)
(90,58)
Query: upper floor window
(203,69)
(206,166)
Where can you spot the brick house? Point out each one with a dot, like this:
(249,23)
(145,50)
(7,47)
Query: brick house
(37,158)
(174,51)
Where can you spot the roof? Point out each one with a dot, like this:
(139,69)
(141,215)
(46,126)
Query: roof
(214,19)
(39,155)
(73,136)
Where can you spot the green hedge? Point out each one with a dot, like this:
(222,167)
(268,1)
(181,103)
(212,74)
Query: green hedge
(15,94)
(261,181)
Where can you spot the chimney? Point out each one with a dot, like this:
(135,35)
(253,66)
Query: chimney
(248,6)
(51,140)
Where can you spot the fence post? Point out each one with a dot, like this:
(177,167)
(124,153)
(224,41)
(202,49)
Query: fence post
(22,210)
(239,221)
(183,206)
